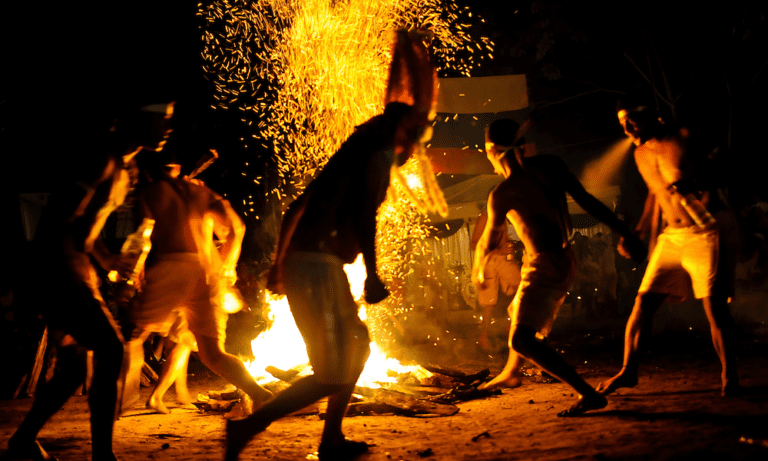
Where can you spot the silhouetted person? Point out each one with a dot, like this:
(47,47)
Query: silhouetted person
(184,276)
(70,302)
(692,250)
(327,226)
(532,196)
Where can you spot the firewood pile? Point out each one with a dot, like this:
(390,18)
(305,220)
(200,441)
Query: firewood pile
(436,395)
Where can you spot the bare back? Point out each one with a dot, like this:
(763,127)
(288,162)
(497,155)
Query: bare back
(178,206)
(340,205)
(535,205)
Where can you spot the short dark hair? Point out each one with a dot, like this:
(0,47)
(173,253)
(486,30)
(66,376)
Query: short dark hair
(503,132)
(636,102)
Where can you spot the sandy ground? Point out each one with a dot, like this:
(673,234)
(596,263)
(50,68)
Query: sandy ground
(675,412)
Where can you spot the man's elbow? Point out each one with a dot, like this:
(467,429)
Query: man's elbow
(238,230)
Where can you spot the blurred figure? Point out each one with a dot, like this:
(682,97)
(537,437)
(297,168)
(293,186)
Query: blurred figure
(327,226)
(77,318)
(184,282)
(696,248)
(532,196)
(502,275)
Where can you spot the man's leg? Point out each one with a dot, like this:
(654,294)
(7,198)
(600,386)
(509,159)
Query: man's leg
(525,343)
(721,326)
(301,393)
(130,374)
(333,445)
(638,327)
(48,400)
(108,351)
(229,367)
(485,344)
(172,370)
(510,376)
(183,397)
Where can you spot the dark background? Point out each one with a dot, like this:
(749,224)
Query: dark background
(70,70)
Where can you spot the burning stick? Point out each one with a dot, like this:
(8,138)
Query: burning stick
(204,162)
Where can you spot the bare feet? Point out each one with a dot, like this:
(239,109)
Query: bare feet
(32,450)
(346,450)
(585,404)
(182,397)
(239,433)
(156,403)
(620,380)
(501,381)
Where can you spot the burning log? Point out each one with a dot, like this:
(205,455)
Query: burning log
(216,405)
(223,400)
(459,375)
(463,393)
(283,375)
(406,405)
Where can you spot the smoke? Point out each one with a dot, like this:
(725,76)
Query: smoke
(601,173)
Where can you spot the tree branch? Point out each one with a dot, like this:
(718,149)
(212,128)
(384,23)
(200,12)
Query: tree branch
(655,90)
(552,103)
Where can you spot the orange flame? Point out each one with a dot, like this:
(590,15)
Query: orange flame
(286,348)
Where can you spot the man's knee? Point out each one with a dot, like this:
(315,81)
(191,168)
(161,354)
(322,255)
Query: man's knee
(521,339)
(646,304)
(210,349)
(108,347)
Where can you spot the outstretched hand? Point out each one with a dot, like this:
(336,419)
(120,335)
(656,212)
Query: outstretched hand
(375,291)
(632,247)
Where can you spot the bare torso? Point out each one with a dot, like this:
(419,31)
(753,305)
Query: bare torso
(659,161)
(176,210)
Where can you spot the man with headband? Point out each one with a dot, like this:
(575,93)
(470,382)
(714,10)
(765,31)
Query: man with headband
(533,197)
(696,248)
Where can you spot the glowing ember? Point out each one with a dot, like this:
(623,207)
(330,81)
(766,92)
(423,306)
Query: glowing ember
(300,75)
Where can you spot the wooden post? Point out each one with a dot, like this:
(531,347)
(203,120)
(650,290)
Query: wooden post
(37,366)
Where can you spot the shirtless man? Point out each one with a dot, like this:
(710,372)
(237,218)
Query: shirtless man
(686,253)
(329,225)
(532,196)
(70,302)
(183,275)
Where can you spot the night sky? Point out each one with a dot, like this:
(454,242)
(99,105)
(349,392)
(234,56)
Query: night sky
(70,69)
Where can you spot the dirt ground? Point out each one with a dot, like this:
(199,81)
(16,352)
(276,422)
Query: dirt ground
(675,412)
